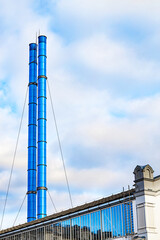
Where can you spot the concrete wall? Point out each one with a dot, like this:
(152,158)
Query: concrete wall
(147,203)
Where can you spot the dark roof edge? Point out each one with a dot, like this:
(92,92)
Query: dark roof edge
(72,210)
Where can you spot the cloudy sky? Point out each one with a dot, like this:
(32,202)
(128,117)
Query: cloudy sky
(104,75)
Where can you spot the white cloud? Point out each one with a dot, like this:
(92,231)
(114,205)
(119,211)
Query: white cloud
(91,10)
(105,56)
(87,115)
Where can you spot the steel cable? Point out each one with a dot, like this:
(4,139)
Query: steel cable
(60,146)
(10,177)
(19,210)
(52,201)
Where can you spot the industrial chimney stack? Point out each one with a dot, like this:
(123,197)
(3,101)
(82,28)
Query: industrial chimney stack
(42,118)
(32,127)
(37,182)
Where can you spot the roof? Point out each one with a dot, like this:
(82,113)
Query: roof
(61,214)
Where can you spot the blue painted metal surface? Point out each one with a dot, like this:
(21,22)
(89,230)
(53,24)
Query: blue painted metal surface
(42,118)
(32,139)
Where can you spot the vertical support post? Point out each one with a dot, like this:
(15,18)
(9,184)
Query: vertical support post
(101,223)
(70,229)
(79,227)
(41,168)
(90,227)
(122,219)
(61,230)
(32,139)
(111,224)
(44,233)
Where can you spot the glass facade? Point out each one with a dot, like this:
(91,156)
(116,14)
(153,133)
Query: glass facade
(107,223)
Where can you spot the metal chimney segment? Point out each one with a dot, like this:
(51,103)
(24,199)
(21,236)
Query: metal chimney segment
(42,118)
(32,139)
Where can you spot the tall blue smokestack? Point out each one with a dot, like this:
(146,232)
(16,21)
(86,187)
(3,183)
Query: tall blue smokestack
(42,118)
(32,125)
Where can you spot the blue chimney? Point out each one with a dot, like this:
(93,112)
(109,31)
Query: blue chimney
(32,139)
(42,118)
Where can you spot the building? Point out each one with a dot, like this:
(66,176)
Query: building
(147,195)
(132,214)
